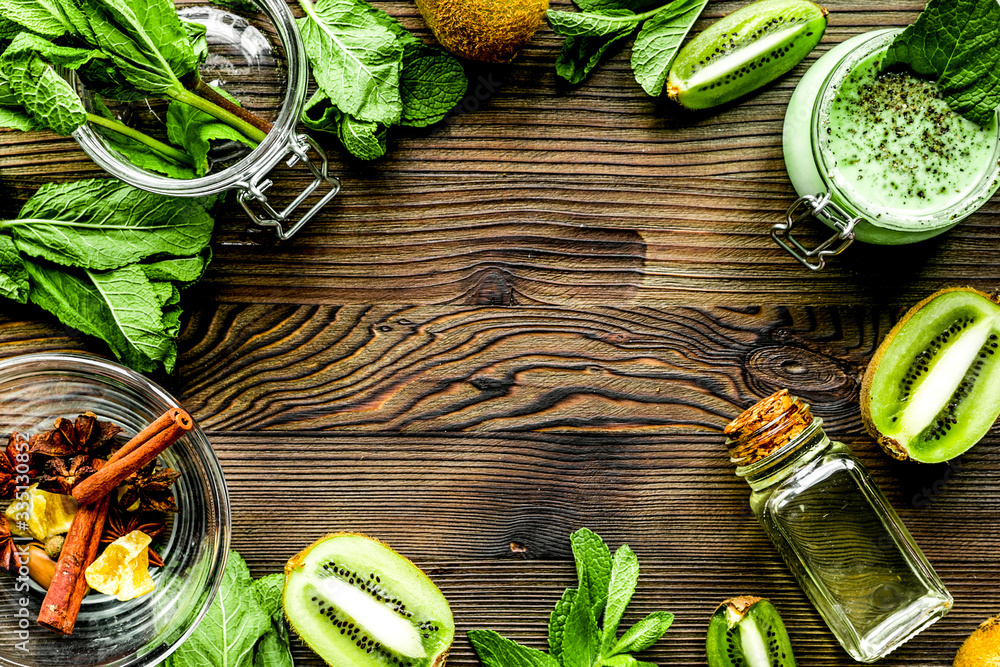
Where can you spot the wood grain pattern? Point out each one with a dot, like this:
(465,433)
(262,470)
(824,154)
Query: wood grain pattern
(550,195)
(456,503)
(538,316)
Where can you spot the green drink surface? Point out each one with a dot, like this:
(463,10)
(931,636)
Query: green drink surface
(892,140)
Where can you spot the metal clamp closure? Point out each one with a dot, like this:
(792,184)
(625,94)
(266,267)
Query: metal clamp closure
(254,189)
(816,206)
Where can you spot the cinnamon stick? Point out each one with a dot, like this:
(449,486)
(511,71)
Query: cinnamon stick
(119,467)
(69,585)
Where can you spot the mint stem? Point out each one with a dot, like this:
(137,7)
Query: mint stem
(212,95)
(251,132)
(163,149)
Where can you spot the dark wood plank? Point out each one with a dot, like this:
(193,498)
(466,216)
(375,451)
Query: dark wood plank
(519,369)
(457,504)
(551,195)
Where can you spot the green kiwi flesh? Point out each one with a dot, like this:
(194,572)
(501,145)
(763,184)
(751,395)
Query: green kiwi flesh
(747,632)
(358,603)
(745,50)
(932,390)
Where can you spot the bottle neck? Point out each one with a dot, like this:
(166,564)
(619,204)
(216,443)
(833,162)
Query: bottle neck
(774,437)
(782,462)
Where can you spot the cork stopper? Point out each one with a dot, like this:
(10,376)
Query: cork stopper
(766,427)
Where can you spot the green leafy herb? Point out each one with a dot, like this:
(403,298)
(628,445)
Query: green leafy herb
(658,42)
(243,627)
(108,259)
(13,272)
(578,635)
(603,23)
(355,59)
(956,42)
(194,130)
(408,83)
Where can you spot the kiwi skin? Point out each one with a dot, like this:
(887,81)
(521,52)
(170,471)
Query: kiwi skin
(490,31)
(892,447)
(982,648)
(296,562)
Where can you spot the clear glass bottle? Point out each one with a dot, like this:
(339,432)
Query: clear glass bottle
(846,546)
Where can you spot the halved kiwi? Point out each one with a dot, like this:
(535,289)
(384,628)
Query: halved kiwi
(932,390)
(745,50)
(747,631)
(982,648)
(358,603)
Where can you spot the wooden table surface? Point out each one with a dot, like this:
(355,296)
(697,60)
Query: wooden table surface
(539,316)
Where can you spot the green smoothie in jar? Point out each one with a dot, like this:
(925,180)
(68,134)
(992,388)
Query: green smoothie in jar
(882,150)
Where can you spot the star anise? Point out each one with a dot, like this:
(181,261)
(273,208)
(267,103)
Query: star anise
(150,488)
(86,435)
(9,560)
(61,475)
(121,522)
(16,447)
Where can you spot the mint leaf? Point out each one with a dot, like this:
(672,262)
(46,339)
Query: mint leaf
(136,152)
(364,140)
(958,43)
(48,18)
(588,38)
(624,578)
(182,270)
(431,84)
(18,119)
(269,590)
(495,651)
(593,567)
(658,42)
(272,651)
(234,623)
(557,621)
(355,59)
(194,130)
(104,224)
(580,54)
(13,273)
(645,633)
(79,304)
(592,24)
(581,642)
(136,309)
(605,6)
(44,94)
(151,53)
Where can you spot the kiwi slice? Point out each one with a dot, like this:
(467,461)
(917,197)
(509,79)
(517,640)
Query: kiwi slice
(358,603)
(745,50)
(982,648)
(932,390)
(747,631)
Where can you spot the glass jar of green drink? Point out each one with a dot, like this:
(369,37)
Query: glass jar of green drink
(879,156)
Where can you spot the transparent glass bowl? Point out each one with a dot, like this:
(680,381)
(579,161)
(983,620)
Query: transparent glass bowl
(36,389)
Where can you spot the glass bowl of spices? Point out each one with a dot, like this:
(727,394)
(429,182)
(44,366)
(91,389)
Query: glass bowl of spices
(187,554)
(879,156)
(218,113)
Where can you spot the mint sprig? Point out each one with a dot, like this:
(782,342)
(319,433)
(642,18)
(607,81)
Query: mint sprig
(603,23)
(583,627)
(957,42)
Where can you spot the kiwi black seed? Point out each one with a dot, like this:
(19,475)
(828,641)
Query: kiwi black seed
(745,50)
(932,390)
(747,631)
(357,603)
